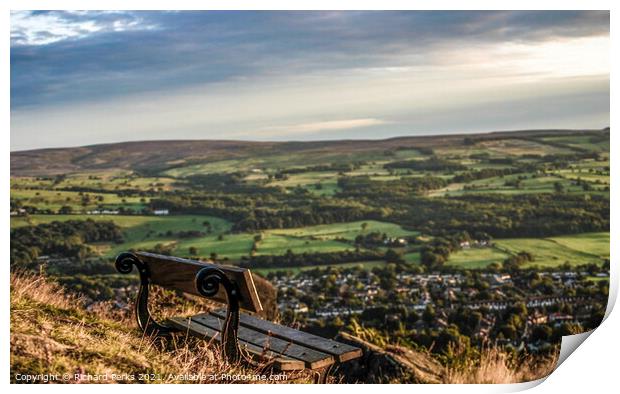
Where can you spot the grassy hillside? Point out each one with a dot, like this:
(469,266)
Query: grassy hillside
(181,158)
(52,334)
(144,232)
(547,252)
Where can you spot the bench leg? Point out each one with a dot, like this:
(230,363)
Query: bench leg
(145,321)
(230,342)
(321,375)
(124,264)
(208,282)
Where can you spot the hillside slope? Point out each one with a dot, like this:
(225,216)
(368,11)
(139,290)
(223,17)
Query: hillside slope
(52,334)
(155,156)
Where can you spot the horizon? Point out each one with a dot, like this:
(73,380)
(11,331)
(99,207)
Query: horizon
(452,134)
(302,76)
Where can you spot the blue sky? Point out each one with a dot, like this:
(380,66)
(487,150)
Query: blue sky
(81,78)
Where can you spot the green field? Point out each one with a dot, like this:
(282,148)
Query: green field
(137,223)
(551,252)
(262,165)
(273,244)
(233,246)
(105,180)
(367,265)
(413,257)
(596,244)
(54,200)
(581,141)
(144,232)
(140,231)
(502,148)
(476,257)
(347,231)
(271,163)
(532,184)
(547,252)
(309,180)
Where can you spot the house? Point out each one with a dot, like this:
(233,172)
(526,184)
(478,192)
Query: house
(538,318)
(102,212)
(18,212)
(559,318)
(498,279)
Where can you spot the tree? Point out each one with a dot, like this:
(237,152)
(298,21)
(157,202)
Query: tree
(509,331)
(541,333)
(65,210)
(364,226)
(429,314)
(392,257)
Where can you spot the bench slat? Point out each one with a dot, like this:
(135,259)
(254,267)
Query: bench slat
(180,274)
(341,352)
(280,362)
(312,358)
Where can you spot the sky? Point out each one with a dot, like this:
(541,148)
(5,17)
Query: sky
(90,77)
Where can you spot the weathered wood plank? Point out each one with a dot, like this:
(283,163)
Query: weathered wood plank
(259,354)
(312,358)
(342,352)
(180,274)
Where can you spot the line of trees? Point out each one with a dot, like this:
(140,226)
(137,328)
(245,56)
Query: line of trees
(290,259)
(63,239)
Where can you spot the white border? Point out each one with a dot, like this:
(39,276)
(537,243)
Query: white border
(592,368)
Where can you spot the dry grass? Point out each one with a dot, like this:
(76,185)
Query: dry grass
(491,364)
(495,365)
(51,333)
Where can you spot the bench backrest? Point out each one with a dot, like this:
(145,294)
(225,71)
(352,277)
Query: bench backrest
(180,274)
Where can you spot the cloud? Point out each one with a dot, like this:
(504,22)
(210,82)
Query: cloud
(48,27)
(88,55)
(314,127)
(90,77)
(408,102)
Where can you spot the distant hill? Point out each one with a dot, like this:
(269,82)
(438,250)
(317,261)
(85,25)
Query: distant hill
(155,156)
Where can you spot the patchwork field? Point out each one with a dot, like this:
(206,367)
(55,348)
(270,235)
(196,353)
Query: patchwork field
(512,184)
(561,162)
(518,147)
(366,265)
(581,142)
(110,181)
(78,201)
(547,252)
(551,252)
(272,163)
(145,232)
(596,244)
(476,257)
(141,232)
(347,231)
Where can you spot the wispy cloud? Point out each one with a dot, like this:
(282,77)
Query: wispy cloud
(104,76)
(48,27)
(319,127)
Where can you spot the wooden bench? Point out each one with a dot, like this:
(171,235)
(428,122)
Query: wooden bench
(243,336)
